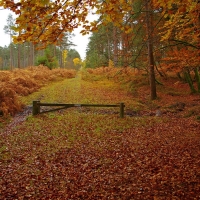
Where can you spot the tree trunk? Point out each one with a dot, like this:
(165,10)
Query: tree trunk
(61,56)
(197,76)
(19,55)
(189,81)
(150,49)
(11,54)
(122,54)
(108,46)
(24,53)
(115,44)
(33,54)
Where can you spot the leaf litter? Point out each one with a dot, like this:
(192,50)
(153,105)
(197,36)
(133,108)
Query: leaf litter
(84,154)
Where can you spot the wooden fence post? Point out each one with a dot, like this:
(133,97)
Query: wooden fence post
(122,110)
(36,108)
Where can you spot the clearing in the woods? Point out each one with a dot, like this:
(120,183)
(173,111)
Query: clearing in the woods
(91,153)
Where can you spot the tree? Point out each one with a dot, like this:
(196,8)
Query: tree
(64,45)
(149,24)
(99,49)
(181,35)
(64,57)
(9,30)
(47,60)
(71,55)
(77,62)
(182,21)
(5,55)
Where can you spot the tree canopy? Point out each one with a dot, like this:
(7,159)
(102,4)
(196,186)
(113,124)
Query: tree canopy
(45,21)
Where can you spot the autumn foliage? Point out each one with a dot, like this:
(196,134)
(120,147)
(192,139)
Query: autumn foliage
(112,73)
(177,60)
(22,82)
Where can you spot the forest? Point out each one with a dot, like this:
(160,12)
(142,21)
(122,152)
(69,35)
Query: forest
(156,37)
(143,53)
(27,54)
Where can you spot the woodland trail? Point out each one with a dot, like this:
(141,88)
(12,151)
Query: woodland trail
(73,91)
(93,154)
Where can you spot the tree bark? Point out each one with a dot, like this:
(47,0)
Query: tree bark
(150,49)
(108,45)
(24,53)
(11,54)
(115,46)
(189,81)
(197,76)
(19,55)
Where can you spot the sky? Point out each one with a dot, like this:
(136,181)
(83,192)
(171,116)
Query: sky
(79,40)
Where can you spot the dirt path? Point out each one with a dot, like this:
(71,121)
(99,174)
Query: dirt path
(18,119)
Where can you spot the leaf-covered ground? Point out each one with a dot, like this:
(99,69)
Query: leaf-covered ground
(91,153)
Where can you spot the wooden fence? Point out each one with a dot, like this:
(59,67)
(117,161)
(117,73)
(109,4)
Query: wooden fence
(37,104)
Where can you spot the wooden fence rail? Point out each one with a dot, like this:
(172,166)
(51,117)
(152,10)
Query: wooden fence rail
(38,104)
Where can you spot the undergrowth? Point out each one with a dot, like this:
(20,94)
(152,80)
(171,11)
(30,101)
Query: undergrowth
(136,83)
(22,82)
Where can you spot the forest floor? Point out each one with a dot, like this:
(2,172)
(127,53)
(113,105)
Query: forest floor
(92,153)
